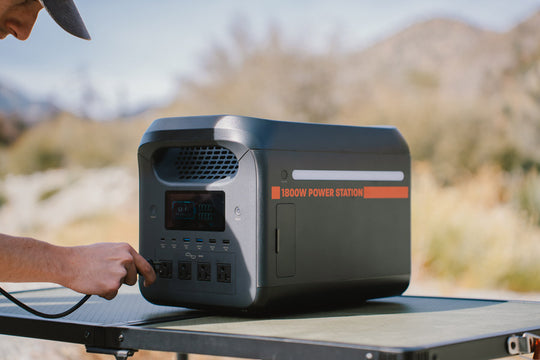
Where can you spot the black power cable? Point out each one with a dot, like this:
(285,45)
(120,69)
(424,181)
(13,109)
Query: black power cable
(41,314)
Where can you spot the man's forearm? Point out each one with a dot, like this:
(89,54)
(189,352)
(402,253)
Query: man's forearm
(26,259)
(92,269)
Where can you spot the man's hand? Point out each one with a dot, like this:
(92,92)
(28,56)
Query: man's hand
(100,269)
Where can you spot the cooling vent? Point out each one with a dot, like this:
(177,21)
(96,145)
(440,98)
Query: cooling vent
(205,163)
(388,356)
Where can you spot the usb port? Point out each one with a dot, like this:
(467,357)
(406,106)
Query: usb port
(187,239)
(199,240)
(226,241)
(212,241)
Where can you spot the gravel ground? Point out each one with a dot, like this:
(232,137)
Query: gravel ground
(55,198)
(12,347)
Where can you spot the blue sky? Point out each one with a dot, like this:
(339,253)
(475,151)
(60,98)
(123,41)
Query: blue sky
(140,47)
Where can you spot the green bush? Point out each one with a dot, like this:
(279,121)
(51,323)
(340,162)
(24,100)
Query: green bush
(47,194)
(528,195)
(3,199)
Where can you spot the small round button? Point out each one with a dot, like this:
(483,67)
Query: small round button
(237,211)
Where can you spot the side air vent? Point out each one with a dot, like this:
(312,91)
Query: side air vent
(195,163)
(388,356)
(205,163)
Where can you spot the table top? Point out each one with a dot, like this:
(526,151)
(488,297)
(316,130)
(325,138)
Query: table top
(400,327)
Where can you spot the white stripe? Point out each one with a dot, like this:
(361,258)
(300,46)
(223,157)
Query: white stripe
(348,175)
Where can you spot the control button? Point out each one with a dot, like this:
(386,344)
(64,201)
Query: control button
(153,212)
(237,211)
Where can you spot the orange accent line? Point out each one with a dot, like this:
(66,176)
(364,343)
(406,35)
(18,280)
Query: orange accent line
(536,349)
(386,192)
(276,193)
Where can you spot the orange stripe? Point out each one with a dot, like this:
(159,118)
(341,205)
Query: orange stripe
(386,192)
(276,190)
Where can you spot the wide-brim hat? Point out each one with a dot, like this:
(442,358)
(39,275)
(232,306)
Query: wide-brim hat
(65,13)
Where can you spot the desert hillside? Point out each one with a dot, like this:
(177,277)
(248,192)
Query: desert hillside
(467,101)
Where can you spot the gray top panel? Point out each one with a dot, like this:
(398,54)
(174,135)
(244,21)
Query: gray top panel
(401,322)
(261,134)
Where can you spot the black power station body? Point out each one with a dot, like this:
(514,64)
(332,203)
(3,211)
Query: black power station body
(253,214)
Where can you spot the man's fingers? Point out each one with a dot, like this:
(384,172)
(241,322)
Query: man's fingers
(110,295)
(131,276)
(144,268)
(103,267)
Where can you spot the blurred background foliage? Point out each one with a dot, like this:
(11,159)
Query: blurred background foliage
(467,101)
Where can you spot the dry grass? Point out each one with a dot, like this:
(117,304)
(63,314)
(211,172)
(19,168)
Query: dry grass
(103,227)
(69,141)
(472,234)
(476,181)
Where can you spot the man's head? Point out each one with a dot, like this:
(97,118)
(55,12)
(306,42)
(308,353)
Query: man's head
(17,17)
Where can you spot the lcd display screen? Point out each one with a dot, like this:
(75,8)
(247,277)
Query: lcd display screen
(195,210)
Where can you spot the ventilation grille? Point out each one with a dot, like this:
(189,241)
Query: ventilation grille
(423,356)
(205,163)
(388,356)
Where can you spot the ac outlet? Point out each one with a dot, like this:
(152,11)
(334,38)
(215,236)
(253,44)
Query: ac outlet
(204,272)
(184,270)
(164,269)
(224,273)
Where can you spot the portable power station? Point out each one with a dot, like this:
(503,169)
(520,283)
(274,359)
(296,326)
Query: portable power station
(254,214)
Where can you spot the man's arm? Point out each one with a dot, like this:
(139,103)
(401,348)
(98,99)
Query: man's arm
(98,269)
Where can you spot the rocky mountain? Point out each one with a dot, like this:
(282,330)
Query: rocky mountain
(435,61)
(453,59)
(18,111)
(14,103)
(440,59)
